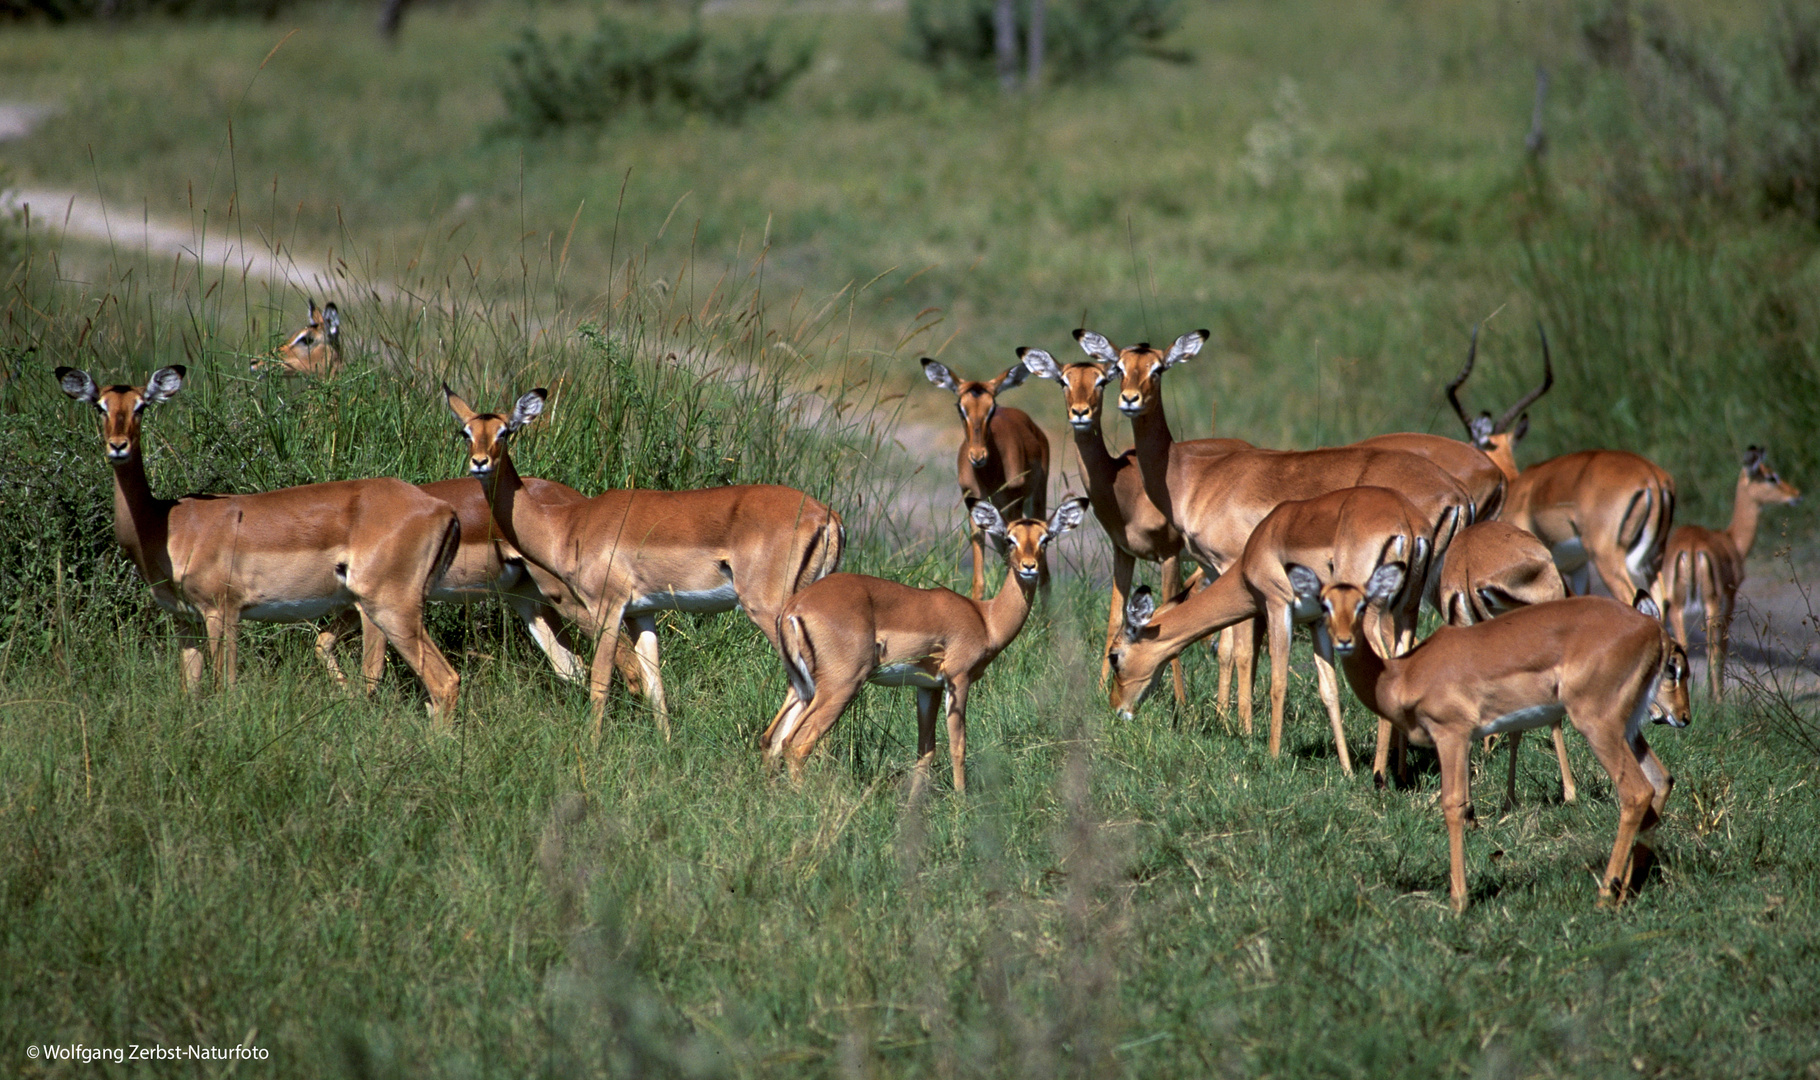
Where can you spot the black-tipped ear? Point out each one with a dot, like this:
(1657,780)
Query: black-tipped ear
(1096,346)
(1139,610)
(1480,431)
(1067,516)
(987,518)
(77,384)
(529,408)
(457,404)
(1185,346)
(1753,457)
(164,384)
(1040,363)
(1015,376)
(332,320)
(1646,605)
(937,372)
(1386,581)
(1305,582)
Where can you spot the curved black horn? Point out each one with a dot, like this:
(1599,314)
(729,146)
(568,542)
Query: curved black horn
(1472,352)
(1548,380)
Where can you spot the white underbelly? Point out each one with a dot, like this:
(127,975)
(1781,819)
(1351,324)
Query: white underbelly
(720,598)
(905,675)
(305,609)
(1569,555)
(1534,716)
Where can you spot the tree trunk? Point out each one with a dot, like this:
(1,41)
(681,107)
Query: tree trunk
(1004,25)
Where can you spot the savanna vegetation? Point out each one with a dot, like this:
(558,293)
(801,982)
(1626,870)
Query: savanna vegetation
(1339,192)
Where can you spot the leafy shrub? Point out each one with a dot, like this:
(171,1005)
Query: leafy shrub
(624,65)
(80,10)
(1082,39)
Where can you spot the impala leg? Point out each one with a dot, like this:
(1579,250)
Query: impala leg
(191,640)
(329,637)
(1172,586)
(372,652)
(1278,618)
(1568,792)
(1226,641)
(1392,744)
(979,562)
(1245,640)
(1330,697)
(928,702)
(401,623)
(1456,800)
(1622,756)
(224,644)
(1122,567)
(552,639)
(768,741)
(645,630)
(834,691)
(1718,643)
(1510,776)
(957,731)
(600,670)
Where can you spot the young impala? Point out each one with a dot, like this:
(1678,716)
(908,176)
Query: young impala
(1704,567)
(1349,533)
(1604,665)
(629,554)
(1004,456)
(1603,510)
(293,555)
(849,629)
(313,350)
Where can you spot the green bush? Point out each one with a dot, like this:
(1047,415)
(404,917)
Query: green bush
(82,10)
(624,65)
(1082,39)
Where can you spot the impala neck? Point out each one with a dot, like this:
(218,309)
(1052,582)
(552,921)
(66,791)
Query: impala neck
(1005,613)
(140,521)
(1369,675)
(1746,512)
(1150,430)
(510,503)
(1097,463)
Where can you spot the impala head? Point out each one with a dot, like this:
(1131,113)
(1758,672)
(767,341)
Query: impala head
(1498,438)
(1760,482)
(1140,368)
(121,405)
(313,350)
(1024,540)
(1669,703)
(1136,658)
(977,401)
(1343,605)
(1083,384)
(486,433)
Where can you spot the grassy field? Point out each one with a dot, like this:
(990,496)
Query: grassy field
(1340,193)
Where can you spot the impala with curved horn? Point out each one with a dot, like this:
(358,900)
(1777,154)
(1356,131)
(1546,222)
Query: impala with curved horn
(1704,567)
(1004,456)
(1604,510)
(292,555)
(1607,667)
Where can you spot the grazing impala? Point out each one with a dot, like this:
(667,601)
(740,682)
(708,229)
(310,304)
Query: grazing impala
(1004,456)
(313,350)
(1217,499)
(1347,533)
(1494,567)
(630,554)
(1604,510)
(1704,567)
(292,555)
(849,629)
(1137,529)
(1604,665)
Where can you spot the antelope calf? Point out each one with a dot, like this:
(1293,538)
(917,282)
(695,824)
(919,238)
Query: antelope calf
(849,629)
(1004,457)
(1604,665)
(1704,567)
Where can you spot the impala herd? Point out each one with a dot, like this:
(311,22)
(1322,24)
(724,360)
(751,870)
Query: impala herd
(1347,541)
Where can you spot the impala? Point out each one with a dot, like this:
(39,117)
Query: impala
(1217,499)
(630,553)
(1491,568)
(1604,665)
(313,350)
(1004,456)
(1704,567)
(849,629)
(1137,529)
(1348,533)
(1604,510)
(292,555)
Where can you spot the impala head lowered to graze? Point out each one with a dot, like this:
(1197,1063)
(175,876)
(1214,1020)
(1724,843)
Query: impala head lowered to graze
(848,629)
(313,350)
(1607,667)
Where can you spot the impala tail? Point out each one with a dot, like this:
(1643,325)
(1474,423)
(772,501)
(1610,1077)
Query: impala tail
(799,659)
(445,555)
(1643,531)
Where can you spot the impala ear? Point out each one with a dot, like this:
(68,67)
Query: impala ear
(1422,551)
(1096,346)
(1480,431)
(987,518)
(1185,346)
(529,408)
(1385,582)
(1646,605)
(1067,516)
(1013,377)
(315,312)
(77,384)
(462,410)
(331,319)
(1040,363)
(164,384)
(1305,582)
(1753,458)
(1139,610)
(938,374)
